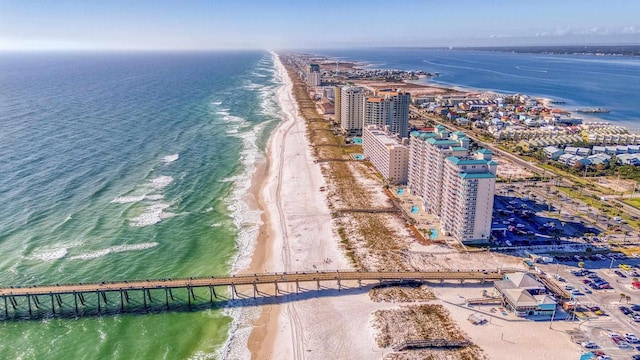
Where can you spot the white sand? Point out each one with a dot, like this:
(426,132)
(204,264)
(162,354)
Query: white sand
(325,327)
(336,325)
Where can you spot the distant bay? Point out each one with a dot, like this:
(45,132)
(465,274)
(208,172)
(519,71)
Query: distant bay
(582,81)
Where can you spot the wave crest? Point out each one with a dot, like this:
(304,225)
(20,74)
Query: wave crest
(114,249)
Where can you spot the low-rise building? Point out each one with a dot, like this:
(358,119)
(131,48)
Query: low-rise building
(552,152)
(389,155)
(523,294)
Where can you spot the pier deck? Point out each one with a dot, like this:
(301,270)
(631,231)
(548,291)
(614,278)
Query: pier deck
(79,291)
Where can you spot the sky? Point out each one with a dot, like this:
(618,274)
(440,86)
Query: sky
(276,24)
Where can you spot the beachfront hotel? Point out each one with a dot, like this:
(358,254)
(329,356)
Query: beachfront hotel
(456,187)
(389,107)
(336,104)
(467,196)
(428,150)
(388,155)
(399,102)
(376,111)
(351,110)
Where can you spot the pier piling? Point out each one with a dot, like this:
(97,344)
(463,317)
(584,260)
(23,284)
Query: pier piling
(144,298)
(75,301)
(166,297)
(29,304)
(53,306)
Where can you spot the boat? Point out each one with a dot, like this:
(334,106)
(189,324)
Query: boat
(593,111)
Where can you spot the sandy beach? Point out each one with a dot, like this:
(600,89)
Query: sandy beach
(299,234)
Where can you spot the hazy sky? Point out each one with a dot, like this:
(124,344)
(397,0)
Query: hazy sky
(215,24)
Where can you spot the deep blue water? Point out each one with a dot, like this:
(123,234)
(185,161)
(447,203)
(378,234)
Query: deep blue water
(127,166)
(611,82)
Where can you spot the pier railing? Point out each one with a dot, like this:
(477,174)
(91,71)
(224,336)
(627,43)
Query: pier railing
(60,294)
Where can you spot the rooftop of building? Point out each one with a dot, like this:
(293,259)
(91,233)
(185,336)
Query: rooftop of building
(484,151)
(463,161)
(384,137)
(482,175)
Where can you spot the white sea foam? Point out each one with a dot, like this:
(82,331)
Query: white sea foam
(153,214)
(170,158)
(246,219)
(154,197)
(127,199)
(114,249)
(217,103)
(49,254)
(161,182)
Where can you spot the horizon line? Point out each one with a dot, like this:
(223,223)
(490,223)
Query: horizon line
(204,50)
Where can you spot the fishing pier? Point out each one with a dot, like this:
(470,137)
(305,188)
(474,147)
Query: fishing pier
(116,297)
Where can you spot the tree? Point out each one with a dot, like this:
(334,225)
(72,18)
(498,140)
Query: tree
(622,296)
(581,264)
(628,298)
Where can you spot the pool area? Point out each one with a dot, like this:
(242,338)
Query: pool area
(357,156)
(357,140)
(400,191)
(414,209)
(433,234)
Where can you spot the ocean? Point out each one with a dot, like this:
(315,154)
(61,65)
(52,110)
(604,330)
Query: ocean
(118,166)
(582,81)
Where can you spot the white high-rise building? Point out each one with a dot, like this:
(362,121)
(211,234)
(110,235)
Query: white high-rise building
(389,156)
(458,189)
(351,110)
(314,79)
(398,119)
(467,199)
(376,111)
(426,163)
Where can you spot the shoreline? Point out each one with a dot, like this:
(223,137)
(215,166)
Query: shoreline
(571,105)
(298,234)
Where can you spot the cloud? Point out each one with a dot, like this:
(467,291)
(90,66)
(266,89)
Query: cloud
(593,31)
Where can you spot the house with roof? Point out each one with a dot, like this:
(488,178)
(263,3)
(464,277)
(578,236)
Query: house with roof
(552,152)
(599,158)
(571,150)
(523,294)
(565,158)
(629,159)
(582,151)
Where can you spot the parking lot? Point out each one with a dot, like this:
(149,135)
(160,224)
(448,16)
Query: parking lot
(529,214)
(606,304)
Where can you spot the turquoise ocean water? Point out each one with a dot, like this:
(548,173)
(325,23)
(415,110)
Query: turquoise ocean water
(127,166)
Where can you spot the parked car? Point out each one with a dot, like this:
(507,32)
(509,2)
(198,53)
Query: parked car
(635,307)
(620,274)
(631,338)
(589,345)
(625,310)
